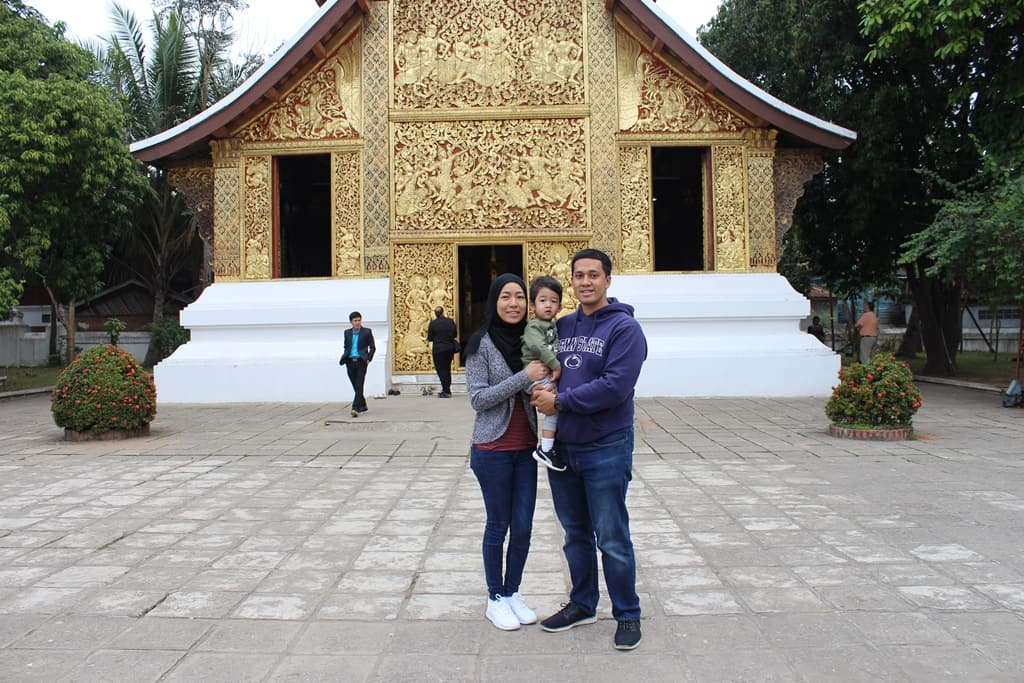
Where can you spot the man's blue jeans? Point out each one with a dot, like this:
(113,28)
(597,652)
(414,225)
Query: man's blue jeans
(590,501)
(508,482)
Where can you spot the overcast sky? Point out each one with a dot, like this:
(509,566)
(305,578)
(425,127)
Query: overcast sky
(268,23)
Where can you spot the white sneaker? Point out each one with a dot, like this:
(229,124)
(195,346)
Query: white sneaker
(501,615)
(524,614)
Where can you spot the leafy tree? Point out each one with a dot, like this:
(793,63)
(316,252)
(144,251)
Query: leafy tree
(869,199)
(68,185)
(172,78)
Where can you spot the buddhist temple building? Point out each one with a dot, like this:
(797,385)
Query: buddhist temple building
(395,156)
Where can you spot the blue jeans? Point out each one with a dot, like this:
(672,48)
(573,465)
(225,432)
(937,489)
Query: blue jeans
(590,501)
(508,482)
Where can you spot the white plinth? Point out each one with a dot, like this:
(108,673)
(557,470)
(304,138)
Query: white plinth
(726,335)
(274,341)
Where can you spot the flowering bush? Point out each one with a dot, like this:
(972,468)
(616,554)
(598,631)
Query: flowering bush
(104,389)
(880,393)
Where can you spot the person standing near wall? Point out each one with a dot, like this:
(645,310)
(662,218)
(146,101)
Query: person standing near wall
(441,333)
(357,354)
(867,325)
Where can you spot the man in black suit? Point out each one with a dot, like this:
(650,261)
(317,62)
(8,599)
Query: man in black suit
(356,357)
(441,333)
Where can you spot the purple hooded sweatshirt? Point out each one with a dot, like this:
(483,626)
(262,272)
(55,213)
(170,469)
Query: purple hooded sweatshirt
(601,356)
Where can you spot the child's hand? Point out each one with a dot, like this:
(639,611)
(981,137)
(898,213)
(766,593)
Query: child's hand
(556,373)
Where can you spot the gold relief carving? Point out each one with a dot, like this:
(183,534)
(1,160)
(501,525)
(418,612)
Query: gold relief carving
(555,259)
(346,172)
(377,153)
(467,53)
(793,168)
(256,234)
(761,194)
(227,222)
(226,153)
(428,281)
(604,185)
(729,181)
(663,100)
(325,105)
(195,183)
(503,175)
(635,194)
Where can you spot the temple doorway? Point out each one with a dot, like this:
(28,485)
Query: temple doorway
(478,266)
(677,188)
(303,226)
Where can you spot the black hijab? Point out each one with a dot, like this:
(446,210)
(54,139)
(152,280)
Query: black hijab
(507,338)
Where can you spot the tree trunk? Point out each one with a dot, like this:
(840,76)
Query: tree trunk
(938,306)
(160,287)
(67,321)
(70,327)
(910,345)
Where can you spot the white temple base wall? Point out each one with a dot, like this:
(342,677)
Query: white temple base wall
(277,341)
(719,334)
(708,335)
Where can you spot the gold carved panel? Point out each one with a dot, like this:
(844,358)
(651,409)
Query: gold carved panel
(325,105)
(346,213)
(427,281)
(555,259)
(604,200)
(654,98)
(793,168)
(257,226)
(468,53)
(227,208)
(470,176)
(730,207)
(761,198)
(195,183)
(377,152)
(635,194)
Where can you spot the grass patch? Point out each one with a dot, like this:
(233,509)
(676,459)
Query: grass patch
(977,366)
(29,378)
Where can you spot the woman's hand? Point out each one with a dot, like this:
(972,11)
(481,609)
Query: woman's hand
(536,370)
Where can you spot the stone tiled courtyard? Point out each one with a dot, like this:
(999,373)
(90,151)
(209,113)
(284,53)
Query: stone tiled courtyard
(289,542)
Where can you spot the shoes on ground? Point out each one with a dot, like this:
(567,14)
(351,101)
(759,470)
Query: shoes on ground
(549,459)
(524,614)
(627,635)
(569,616)
(500,613)
(363,410)
(355,413)
(444,394)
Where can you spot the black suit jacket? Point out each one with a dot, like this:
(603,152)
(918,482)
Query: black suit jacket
(441,332)
(367,347)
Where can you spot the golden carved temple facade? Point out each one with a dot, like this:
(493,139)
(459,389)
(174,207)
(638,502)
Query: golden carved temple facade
(438,139)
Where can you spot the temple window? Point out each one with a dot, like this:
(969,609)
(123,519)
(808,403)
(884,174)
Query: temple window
(677,193)
(302,223)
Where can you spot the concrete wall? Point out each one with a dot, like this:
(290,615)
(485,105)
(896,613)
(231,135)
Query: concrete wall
(20,347)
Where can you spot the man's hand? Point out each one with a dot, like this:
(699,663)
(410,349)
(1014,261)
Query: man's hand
(543,398)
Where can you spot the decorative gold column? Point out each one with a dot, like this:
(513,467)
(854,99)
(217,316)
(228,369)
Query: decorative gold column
(346,213)
(256,230)
(729,183)
(637,215)
(761,198)
(227,214)
(195,183)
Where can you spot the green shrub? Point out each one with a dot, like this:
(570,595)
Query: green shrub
(104,389)
(165,337)
(114,328)
(880,393)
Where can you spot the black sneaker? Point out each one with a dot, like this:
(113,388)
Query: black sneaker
(627,635)
(569,616)
(548,459)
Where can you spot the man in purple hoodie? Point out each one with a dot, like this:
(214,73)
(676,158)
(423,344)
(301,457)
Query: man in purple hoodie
(601,349)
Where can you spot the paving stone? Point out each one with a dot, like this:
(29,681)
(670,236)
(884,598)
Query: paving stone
(155,633)
(323,668)
(237,635)
(228,668)
(124,665)
(74,633)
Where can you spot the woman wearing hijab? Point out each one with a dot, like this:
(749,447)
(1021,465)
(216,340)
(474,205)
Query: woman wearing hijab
(504,436)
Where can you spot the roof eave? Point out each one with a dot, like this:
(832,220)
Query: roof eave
(788,119)
(214,121)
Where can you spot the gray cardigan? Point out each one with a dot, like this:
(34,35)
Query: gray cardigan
(492,387)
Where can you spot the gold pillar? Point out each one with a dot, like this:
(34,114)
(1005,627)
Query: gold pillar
(256,227)
(761,198)
(729,204)
(227,214)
